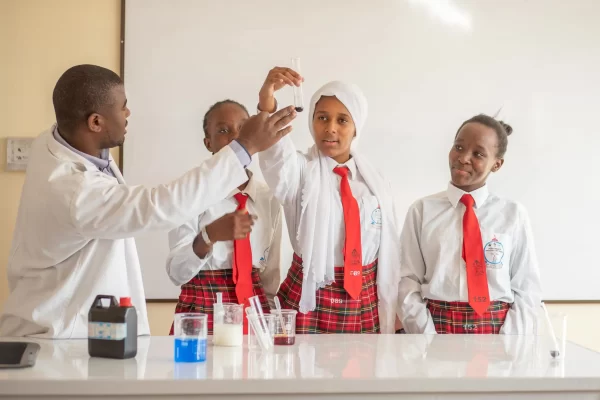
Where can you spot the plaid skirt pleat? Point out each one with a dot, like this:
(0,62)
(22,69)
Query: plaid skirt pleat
(336,311)
(460,318)
(199,294)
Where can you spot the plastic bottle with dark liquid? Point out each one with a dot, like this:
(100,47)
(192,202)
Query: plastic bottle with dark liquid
(112,330)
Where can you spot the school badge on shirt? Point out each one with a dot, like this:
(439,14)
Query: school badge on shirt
(494,253)
(376,217)
(265,257)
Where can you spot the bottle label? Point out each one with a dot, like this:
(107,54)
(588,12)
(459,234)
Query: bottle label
(107,330)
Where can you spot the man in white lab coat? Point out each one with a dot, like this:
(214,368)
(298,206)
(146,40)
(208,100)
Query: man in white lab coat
(74,233)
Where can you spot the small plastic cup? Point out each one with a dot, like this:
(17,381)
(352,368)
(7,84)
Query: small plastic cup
(285,327)
(228,327)
(190,333)
(253,340)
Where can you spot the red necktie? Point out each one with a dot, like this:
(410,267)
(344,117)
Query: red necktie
(352,246)
(242,264)
(479,297)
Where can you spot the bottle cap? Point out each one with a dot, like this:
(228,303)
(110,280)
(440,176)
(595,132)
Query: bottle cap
(125,302)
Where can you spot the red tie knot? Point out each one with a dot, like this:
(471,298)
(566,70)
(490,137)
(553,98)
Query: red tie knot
(467,200)
(241,198)
(341,171)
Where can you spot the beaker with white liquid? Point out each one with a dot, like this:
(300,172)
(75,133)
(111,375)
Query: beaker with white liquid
(228,327)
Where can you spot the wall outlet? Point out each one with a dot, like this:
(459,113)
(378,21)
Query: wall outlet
(17,153)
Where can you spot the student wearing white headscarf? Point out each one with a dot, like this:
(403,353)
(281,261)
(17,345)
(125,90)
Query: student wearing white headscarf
(341,220)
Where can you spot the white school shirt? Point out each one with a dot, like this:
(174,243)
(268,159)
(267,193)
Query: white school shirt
(265,240)
(433,268)
(285,180)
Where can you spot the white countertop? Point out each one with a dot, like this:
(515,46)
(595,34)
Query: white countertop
(325,364)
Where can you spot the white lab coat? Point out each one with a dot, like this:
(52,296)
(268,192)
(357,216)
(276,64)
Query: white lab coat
(73,236)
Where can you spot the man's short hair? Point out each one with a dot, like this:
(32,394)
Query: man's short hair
(81,91)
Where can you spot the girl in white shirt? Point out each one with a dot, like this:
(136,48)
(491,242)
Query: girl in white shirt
(340,215)
(202,253)
(468,258)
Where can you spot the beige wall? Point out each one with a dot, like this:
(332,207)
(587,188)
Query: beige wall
(39,39)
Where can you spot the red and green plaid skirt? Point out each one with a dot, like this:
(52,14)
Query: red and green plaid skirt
(458,317)
(336,311)
(199,294)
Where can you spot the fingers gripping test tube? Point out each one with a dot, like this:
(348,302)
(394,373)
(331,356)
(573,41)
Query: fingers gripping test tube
(298,96)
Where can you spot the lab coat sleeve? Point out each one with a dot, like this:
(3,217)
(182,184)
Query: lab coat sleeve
(270,276)
(524,280)
(414,314)
(101,209)
(282,167)
(182,262)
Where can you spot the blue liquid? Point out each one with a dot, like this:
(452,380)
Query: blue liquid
(190,350)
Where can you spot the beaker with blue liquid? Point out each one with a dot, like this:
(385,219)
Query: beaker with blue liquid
(191,330)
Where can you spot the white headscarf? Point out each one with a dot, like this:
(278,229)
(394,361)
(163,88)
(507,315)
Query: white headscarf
(315,232)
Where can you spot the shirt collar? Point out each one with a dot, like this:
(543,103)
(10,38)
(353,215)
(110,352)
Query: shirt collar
(455,194)
(350,164)
(101,163)
(250,189)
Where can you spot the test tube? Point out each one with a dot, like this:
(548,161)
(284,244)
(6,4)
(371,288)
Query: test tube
(298,97)
(256,306)
(257,318)
(264,338)
(555,349)
(218,310)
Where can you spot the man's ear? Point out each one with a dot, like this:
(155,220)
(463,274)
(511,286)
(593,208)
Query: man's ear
(95,122)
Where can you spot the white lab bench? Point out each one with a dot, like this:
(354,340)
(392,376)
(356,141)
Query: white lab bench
(319,366)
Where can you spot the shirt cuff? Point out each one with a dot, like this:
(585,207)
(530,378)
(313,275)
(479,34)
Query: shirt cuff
(258,110)
(241,153)
(186,264)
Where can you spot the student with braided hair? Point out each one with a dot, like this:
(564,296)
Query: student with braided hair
(233,247)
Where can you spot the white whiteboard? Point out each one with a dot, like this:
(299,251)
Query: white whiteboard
(424,65)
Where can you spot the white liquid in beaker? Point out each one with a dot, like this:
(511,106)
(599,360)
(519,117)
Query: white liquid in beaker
(228,334)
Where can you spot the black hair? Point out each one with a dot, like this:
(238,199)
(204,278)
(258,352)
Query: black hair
(502,129)
(81,91)
(214,107)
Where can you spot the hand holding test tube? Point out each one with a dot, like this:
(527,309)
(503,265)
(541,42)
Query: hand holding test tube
(277,79)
